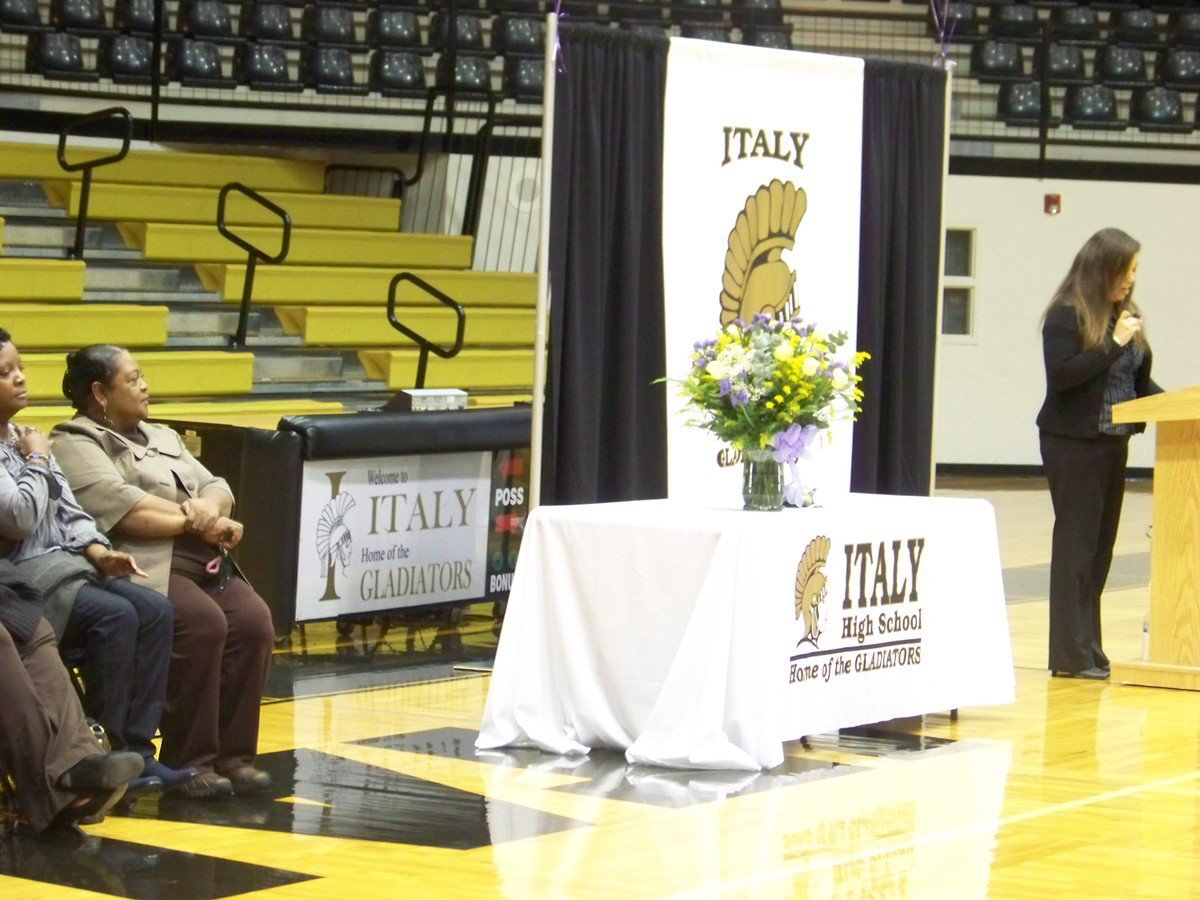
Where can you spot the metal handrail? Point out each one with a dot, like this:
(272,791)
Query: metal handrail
(424,343)
(255,254)
(85,190)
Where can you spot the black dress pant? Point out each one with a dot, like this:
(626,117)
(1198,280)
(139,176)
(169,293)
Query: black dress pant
(124,631)
(1087,487)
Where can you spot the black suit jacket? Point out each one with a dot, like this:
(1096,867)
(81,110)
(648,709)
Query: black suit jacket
(1075,377)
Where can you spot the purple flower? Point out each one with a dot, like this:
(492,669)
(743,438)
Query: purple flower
(795,442)
(761,319)
(741,398)
(726,386)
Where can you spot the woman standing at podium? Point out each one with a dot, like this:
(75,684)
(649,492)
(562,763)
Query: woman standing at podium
(1096,355)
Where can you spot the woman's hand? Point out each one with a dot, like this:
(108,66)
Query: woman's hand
(200,515)
(113,563)
(30,440)
(1127,326)
(225,533)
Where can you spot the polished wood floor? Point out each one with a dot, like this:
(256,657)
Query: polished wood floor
(1076,789)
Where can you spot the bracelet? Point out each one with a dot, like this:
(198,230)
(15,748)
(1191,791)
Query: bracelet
(42,456)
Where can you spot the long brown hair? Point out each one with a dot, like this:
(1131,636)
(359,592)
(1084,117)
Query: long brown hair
(1088,287)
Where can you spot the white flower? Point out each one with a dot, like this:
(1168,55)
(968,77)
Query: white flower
(839,379)
(809,366)
(784,351)
(817,335)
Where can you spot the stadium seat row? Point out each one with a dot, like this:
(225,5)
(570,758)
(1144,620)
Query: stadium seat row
(1095,106)
(1129,25)
(1065,64)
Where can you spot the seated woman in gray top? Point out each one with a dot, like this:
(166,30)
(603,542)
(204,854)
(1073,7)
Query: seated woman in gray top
(121,630)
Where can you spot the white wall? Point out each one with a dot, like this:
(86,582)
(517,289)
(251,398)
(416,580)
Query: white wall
(991,385)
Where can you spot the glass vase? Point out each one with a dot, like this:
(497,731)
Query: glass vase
(762,480)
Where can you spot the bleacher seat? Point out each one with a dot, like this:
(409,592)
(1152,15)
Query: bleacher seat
(1065,65)
(134,17)
(1077,25)
(1158,109)
(778,37)
(57,55)
(266,22)
(1121,67)
(20,16)
(636,10)
(747,13)
(1179,69)
(396,73)
(1185,29)
(697,10)
(264,67)
(467,34)
(125,58)
(1020,104)
(1016,22)
(330,70)
(705,32)
(524,78)
(961,22)
(331,26)
(1136,28)
(518,34)
(994,62)
(1092,106)
(206,20)
(82,17)
(470,74)
(197,64)
(391,27)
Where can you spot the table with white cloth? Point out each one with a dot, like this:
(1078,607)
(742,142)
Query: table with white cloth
(699,637)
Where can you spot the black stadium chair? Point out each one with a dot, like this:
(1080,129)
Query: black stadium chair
(1158,109)
(961,23)
(267,22)
(20,16)
(207,20)
(631,10)
(134,17)
(1077,25)
(524,78)
(57,55)
(197,64)
(1121,67)
(1092,106)
(777,37)
(1015,23)
(264,67)
(1065,66)
(1185,29)
(329,25)
(396,73)
(468,74)
(1179,69)
(706,32)
(330,70)
(751,13)
(697,10)
(1136,28)
(125,58)
(82,17)
(389,27)
(1020,104)
(467,34)
(521,35)
(995,62)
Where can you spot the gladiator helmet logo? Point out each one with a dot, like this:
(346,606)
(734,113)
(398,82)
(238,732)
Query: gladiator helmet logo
(810,588)
(335,544)
(757,278)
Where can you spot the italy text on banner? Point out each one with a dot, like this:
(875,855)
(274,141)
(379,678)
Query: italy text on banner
(761,184)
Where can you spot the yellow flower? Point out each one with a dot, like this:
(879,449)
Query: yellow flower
(779,398)
(770,405)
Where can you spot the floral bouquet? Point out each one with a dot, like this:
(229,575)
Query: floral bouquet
(768,389)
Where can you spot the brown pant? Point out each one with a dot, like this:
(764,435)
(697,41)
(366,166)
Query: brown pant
(219,663)
(42,729)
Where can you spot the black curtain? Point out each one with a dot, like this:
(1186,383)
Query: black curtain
(605,432)
(903,126)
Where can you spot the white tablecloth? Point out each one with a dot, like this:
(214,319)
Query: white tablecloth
(672,631)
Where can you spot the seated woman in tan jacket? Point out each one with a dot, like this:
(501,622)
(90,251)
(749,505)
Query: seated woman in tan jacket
(154,499)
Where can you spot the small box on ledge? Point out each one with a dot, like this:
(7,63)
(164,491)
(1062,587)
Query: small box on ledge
(427,399)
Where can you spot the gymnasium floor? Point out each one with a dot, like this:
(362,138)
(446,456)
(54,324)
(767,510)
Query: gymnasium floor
(1077,789)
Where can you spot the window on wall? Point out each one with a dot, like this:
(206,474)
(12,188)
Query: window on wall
(958,286)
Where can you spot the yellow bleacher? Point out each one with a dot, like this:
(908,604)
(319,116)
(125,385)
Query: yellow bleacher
(1,234)
(171,167)
(170,373)
(361,285)
(471,370)
(40,279)
(363,326)
(312,246)
(198,205)
(53,326)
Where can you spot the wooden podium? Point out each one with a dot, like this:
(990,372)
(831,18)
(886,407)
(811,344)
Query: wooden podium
(1175,548)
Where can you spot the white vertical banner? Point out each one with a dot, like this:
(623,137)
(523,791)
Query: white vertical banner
(762,169)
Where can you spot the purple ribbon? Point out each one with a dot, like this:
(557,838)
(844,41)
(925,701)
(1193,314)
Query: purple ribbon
(791,445)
